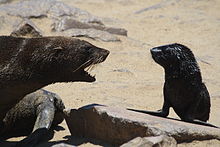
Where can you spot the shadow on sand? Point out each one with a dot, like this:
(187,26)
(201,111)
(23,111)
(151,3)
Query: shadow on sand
(70,140)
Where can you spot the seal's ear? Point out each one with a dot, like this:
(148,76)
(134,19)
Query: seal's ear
(53,47)
(58,48)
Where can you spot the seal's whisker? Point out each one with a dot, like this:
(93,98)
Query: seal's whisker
(89,68)
(99,59)
(93,66)
(83,65)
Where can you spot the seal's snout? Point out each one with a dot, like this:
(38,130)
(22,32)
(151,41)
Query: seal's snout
(99,55)
(156,51)
(105,53)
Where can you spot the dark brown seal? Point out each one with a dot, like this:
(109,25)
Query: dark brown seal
(28,64)
(34,111)
(184,90)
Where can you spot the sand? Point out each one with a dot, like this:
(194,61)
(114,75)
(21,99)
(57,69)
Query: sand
(129,77)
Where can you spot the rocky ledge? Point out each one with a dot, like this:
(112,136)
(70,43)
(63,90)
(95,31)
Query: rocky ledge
(117,126)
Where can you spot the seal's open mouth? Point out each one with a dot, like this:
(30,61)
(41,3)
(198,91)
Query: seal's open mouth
(86,73)
(96,56)
(85,69)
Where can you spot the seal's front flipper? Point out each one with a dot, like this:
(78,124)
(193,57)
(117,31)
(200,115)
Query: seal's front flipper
(155,113)
(33,139)
(45,116)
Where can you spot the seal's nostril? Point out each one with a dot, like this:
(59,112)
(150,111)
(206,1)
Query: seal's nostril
(155,51)
(105,53)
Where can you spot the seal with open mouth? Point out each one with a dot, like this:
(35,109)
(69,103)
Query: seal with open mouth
(28,64)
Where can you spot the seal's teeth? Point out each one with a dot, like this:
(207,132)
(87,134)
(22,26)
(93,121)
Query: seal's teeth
(90,68)
(91,75)
(87,69)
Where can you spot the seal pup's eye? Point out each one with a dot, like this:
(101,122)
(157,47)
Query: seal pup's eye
(178,49)
(167,50)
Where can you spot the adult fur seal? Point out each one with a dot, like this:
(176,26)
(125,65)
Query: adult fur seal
(28,64)
(184,90)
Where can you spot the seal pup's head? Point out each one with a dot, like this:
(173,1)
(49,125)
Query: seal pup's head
(176,59)
(62,59)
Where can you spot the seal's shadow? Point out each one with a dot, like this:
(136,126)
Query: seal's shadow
(5,143)
(71,140)
(76,141)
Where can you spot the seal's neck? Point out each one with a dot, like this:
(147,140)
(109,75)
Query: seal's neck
(15,87)
(188,71)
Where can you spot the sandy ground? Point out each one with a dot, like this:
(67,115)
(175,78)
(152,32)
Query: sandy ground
(129,77)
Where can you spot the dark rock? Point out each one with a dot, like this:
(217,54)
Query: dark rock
(5,1)
(91,33)
(64,17)
(117,126)
(28,9)
(59,10)
(118,31)
(26,29)
(8,23)
(161,141)
(46,8)
(68,23)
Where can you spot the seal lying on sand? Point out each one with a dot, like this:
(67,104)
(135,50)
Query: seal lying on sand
(36,110)
(184,90)
(28,64)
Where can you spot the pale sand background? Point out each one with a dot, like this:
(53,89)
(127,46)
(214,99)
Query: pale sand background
(129,77)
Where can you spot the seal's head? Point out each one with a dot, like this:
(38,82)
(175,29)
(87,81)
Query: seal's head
(177,60)
(63,59)
(172,55)
(28,64)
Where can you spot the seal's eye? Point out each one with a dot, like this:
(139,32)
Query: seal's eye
(172,50)
(167,50)
(178,49)
(58,48)
(88,48)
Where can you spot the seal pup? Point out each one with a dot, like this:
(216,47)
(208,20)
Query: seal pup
(28,64)
(36,110)
(183,89)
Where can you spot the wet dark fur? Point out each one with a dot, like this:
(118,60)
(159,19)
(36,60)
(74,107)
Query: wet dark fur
(20,120)
(28,64)
(183,89)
